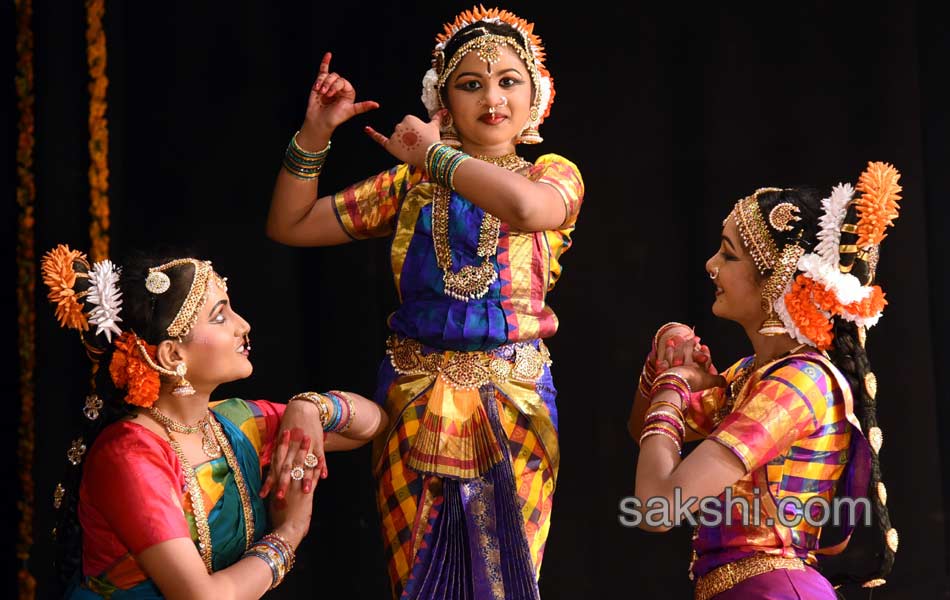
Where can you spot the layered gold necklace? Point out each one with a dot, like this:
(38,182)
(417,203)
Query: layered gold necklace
(194,489)
(209,445)
(471,281)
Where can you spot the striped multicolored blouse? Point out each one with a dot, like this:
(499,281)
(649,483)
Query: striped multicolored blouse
(398,202)
(793,427)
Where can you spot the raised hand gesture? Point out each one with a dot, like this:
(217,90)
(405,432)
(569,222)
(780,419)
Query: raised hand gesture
(331,102)
(410,139)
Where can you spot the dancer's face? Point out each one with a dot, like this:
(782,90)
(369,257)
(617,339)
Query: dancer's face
(215,350)
(476,86)
(738,284)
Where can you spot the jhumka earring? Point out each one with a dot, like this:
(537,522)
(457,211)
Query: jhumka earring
(530,134)
(183,387)
(447,132)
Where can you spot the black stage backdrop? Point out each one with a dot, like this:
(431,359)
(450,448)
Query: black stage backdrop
(671,117)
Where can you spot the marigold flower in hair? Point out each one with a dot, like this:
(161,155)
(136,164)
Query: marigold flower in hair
(131,373)
(812,306)
(60,275)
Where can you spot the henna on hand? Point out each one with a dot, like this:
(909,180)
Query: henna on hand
(408,139)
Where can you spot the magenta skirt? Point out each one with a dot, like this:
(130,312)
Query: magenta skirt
(782,584)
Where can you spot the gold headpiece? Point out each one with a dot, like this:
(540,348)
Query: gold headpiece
(487,46)
(754,230)
(158,283)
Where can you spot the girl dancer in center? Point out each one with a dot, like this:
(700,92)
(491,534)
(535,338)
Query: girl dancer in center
(467,471)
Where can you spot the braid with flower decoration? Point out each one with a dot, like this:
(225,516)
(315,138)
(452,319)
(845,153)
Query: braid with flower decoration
(828,299)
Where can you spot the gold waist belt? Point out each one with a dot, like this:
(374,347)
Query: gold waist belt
(727,576)
(455,437)
(519,361)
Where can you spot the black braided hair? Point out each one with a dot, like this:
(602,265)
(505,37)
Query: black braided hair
(847,352)
(146,314)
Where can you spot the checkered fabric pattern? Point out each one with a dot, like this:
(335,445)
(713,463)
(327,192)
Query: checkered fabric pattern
(409,502)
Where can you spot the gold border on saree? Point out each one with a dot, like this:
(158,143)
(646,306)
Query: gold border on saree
(469,370)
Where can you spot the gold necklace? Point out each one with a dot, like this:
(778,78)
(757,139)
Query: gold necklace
(197,499)
(209,445)
(471,281)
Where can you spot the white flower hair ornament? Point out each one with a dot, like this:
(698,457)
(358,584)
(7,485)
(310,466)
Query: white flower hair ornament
(105,298)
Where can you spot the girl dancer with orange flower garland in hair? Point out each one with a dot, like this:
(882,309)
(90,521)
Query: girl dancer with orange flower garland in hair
(467,471)
(791,426)
(170,502)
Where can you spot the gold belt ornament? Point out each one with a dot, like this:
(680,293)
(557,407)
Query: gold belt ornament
(727,576)
(520,361)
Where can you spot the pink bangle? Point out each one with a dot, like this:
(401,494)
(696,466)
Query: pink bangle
(668,435)
(665,417)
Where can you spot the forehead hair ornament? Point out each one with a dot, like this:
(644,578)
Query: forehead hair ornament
(158,282)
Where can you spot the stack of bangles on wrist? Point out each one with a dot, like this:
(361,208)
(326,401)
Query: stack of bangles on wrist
(668,423)
(302,164)
(274,550)
(648,374)
(441,163)
(336,409)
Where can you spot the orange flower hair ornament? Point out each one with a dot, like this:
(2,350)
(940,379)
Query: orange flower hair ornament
(130,370)
(59,275)
(530,50)
(62,267)
(825,289)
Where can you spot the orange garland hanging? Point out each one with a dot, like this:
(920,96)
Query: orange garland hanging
(98,132)
(26,292)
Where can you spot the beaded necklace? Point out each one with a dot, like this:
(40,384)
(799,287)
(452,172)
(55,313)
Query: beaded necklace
(471,281)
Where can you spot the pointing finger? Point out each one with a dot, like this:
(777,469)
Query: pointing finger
(377,137)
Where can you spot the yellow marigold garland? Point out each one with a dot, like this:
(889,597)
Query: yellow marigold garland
(26,291)
(98,132)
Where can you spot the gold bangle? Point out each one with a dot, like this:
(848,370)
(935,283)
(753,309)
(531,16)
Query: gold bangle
(659,403)
(664,433)
(319,401)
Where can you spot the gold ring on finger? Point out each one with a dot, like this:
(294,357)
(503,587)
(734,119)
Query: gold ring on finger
(297,473)
(310,461)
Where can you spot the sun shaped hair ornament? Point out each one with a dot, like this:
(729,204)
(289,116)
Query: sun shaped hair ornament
(492,15)
(59,274)
(878,204)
